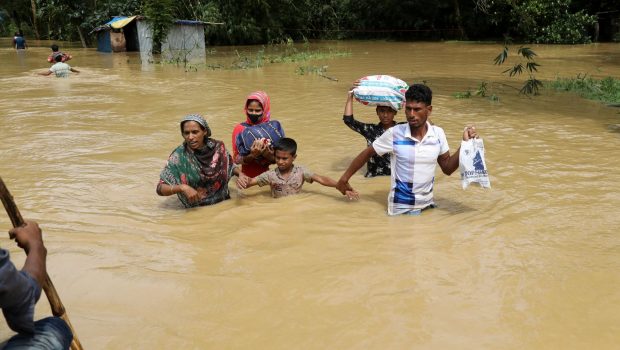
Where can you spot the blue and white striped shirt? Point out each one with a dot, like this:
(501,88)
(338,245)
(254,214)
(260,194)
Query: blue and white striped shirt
(413,164)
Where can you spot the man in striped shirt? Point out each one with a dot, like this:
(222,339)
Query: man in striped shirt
(416,148)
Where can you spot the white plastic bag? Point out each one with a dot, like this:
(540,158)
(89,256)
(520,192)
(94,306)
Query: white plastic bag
(381,90)
(472,166)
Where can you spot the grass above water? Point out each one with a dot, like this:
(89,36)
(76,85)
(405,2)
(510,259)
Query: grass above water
(606,90)
(286,52)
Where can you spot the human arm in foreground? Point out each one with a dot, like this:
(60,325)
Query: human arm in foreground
(329,182)
(343,183)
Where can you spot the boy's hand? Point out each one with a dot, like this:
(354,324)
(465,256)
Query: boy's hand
(353,86)
(352,195)
(242,181)
(343,186)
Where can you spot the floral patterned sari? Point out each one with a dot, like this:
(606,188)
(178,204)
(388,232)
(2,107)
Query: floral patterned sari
(207,170)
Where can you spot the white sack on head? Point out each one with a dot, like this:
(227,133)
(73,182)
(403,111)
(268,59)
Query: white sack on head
(381,90)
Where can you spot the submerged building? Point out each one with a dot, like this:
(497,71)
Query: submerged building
(185,40)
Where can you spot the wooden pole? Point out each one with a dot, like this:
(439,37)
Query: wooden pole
(58,309)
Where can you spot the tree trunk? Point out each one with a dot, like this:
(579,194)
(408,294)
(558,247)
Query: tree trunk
(18,22)
(459,20)
(79,30)
(33,3)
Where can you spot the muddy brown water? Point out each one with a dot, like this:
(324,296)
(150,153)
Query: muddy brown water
(532,263)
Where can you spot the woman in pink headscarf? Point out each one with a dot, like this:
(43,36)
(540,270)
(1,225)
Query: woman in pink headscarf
(257,111)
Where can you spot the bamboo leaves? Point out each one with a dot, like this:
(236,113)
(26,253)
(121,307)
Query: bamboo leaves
(502,56)
(526,52)
(531,85)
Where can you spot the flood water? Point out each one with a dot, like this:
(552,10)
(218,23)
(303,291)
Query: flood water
(532,263)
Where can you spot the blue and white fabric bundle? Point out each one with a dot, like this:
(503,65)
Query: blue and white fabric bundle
(270,132)
(381,90)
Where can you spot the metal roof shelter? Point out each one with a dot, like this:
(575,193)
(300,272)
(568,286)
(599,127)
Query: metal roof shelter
(185,40)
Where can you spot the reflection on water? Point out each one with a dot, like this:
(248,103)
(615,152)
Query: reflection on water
(531,263)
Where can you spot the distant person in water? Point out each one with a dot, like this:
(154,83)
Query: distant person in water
(60,69)
(56,52)
(19,43)
(287,179)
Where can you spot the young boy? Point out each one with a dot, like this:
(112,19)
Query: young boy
(377,165)
(287,179)
(60,69)
(55,52)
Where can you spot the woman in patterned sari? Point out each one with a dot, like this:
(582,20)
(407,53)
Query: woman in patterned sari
(198,170)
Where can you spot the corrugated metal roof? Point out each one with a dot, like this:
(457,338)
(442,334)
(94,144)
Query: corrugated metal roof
(114,19)
(120,22)
(189,22)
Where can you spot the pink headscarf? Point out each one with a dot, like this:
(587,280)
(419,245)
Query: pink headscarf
(263,99)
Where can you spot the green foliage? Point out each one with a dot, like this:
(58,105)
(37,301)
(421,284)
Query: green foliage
(274,21)
(531,85)
(518,68)
(482,91)
(318,70)
(18,13)
(105,11)
(160,15)
(269,54)
(284,53)
(246,62)
(605,90)
(61,19)
(542,21)
(289,53)
(463,94)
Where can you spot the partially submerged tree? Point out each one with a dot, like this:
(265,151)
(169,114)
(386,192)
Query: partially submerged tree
(532,85)
(159,14)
